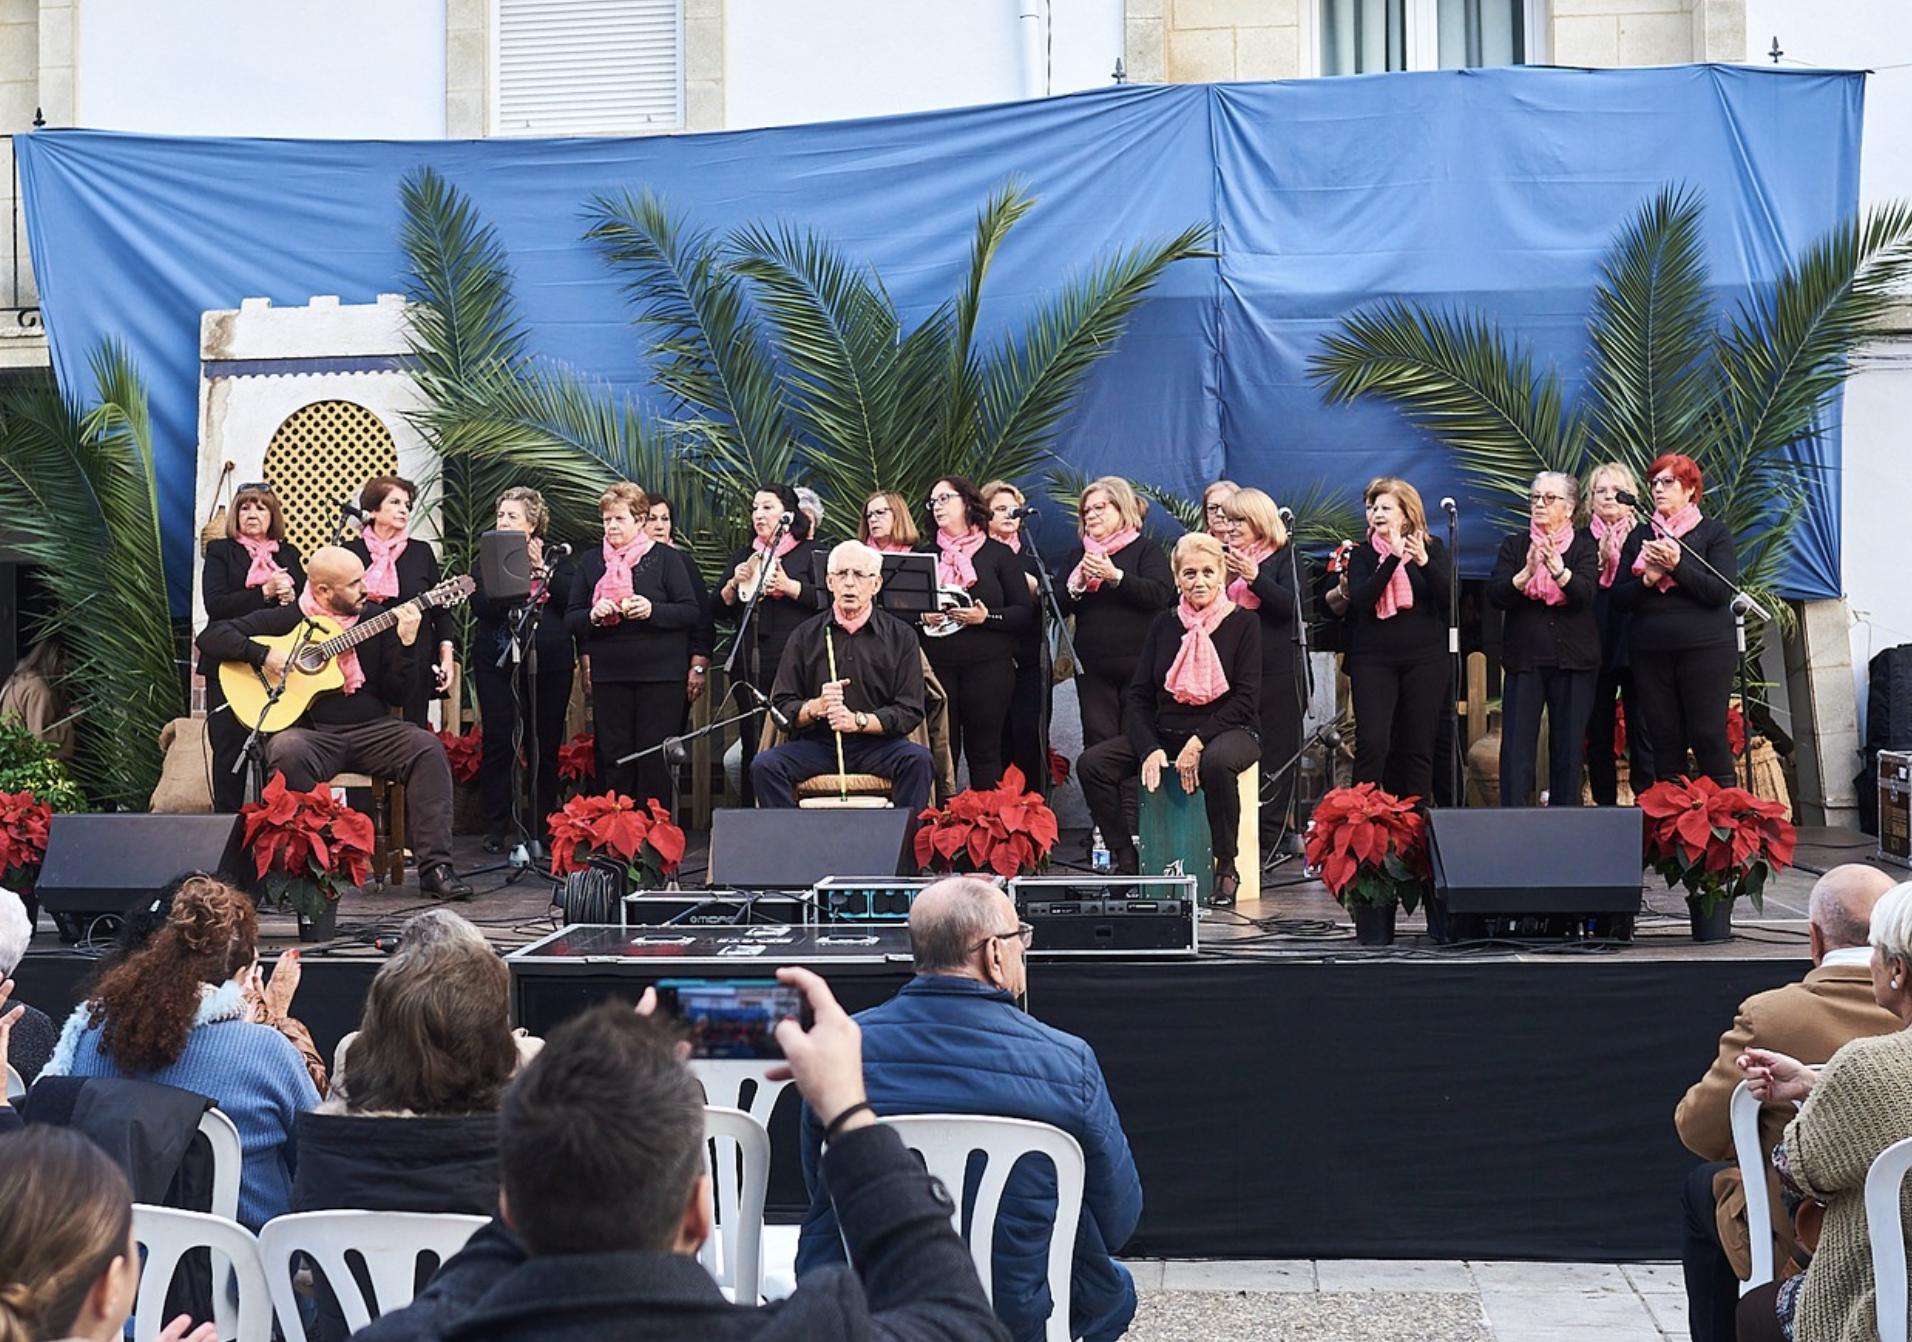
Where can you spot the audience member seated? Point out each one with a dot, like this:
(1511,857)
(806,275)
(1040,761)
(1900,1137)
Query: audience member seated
(9,1116)
(1809,1019)
(69,1266)
(34,1034)
(178,1011)
(1857,1106)
(953,1040)
(605,1203)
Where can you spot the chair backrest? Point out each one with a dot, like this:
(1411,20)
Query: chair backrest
(946,1143)
(737,1159)
(1753,1164)
(16,1085)
(228,1161)
(168,1234)
(738,1083)
(1885,1226)
(387,1244)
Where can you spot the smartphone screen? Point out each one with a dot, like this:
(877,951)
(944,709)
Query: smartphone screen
(732,1018)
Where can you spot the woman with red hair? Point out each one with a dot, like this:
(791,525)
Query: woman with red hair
(1681,626)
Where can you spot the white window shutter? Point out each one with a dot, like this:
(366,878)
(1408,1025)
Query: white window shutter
(587,67)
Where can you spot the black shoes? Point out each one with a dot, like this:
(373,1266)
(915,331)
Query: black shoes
(441,882)
(1227,882)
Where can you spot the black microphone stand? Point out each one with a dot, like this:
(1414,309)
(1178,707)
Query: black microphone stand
(1046,590)
(1455,680)
(747,627)
(252,751)
(672,747)
(521,649)
(348,512)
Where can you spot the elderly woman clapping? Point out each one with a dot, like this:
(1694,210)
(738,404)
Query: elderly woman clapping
(1545,579)
(1192,709)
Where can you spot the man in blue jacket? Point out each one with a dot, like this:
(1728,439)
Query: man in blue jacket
(955,1041)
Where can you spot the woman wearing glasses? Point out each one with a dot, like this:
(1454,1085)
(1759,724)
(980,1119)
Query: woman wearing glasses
(253,567)
(887,526)
(1611,522)
(1545,579)
(1261,579)
(1675,581)
(1396,638)
(1115,583)
(1215,519)
(972,642)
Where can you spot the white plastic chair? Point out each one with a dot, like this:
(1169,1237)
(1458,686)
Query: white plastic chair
(390,1243)
(737,1159)
(168,1234)
(738,1083)
(946,1142)
(16,1085)
(1753,1165)
(1886,1230)
(228,1162)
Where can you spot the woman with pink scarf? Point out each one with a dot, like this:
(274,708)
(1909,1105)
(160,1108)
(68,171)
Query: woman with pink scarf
(976,661)
(1192,710)
(1611,522)
(252,568)
(1261,579)
(1024,738)
(398,568)
(1545,578)
(1114,583)
(1680,633)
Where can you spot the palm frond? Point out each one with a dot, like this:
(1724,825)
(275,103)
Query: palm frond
(463,319)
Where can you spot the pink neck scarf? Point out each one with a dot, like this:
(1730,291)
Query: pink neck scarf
(1091,546)
(1238,591)
(956,557)
(1609,563)
(381,575)
(784,547)
(1398,595)
(1013,540)
(850,624)
(263,566)
(1675,526)
(1541,585)
(348,660)
(619,560)
(888,547)
(1196,676)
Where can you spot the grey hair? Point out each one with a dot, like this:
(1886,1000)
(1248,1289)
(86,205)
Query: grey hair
(424,933)
(947,939)
(866,557)
(808,498)
(15,931)
(1892,923)
(1569,485)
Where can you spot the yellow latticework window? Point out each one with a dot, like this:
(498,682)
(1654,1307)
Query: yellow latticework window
(322,453)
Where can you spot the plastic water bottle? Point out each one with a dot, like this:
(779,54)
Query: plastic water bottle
(1098,851)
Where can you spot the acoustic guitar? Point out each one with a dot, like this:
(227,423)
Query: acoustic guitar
(312,666)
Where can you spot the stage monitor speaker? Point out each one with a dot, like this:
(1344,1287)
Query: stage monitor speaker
(786,849)
(504,561)
(1558,865)
(100,866)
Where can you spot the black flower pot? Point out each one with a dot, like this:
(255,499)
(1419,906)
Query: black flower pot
(322,928)
(1714,926)
(1373,924)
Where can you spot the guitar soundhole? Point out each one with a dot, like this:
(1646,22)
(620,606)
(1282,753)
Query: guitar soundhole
(310,660)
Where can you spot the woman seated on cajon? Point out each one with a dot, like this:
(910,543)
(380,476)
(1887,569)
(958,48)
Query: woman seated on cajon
(1192,707)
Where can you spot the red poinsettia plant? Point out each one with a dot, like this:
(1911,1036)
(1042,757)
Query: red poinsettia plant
(612,825)
(577,759)
(1370,847)
(1735,729)
(307,846)
(1718,842)
(24,821)
(465,752)
(1006,829)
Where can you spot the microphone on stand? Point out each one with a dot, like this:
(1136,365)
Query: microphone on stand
(1027,510)
(1287,516)
(787,521)
(764,702)
(1447,506)
(1625,499)
(562,550)
(347,508)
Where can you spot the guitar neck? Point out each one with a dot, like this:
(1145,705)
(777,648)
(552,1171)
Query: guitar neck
(365,629)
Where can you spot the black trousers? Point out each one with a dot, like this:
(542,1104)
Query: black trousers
(1397,715)
(226,737)
(978,709)
(1101,702)
(1683,699)
(1280,739)
(1712,1288)
(1023,742)
(1603,774)
(500,715)
(1567,697)
(636,715)
(1111,773)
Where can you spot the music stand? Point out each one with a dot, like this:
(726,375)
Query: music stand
(909,583)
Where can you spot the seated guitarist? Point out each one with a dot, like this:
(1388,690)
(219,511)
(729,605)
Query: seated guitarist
(353,731)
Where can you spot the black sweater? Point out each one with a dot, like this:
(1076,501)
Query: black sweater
(1536,634)
(1155,721)
(638,651)
(1112,620)
(491,624)
(417,570)
(777,617)
(1004,592)
(1695,612)
(1416,634)
(1274,587)
(222,584)
(386,662)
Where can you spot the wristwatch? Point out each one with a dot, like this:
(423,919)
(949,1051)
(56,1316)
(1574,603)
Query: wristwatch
(862,721)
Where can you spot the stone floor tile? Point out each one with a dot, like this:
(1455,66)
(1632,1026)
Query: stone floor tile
(1381,1274)
(1146,1271)
(1656,1278)
(1274,1274)
(1547,1276)
(1356,1316)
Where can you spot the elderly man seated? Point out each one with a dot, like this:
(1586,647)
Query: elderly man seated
(851,679)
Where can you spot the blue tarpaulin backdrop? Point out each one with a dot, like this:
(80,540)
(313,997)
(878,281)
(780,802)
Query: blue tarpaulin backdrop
(1498,189)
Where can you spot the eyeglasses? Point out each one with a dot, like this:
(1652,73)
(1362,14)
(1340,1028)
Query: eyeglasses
(1088,508)
(1023,933)
(875,513)
(1663,482)
(1606,491)
(1213,509)
(856,573)
(1546,498)
(253,487)
(938,500)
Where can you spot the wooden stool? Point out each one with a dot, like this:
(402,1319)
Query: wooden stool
(850,791)
(1175,840)
(388,824)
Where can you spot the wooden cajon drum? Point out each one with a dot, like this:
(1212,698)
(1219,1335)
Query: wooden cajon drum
(1175,840)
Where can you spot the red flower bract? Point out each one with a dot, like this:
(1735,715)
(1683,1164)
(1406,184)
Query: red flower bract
(24,822)
(610,825)
(465,753)
(1718,842)
(307,843)
(1004,829)
(577,758)
(1370,846)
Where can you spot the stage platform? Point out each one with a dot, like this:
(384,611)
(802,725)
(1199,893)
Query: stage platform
(1288,1093)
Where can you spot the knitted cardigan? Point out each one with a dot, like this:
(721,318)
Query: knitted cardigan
(1861,1104)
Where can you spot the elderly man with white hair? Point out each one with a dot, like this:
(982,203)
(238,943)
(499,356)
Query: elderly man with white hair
(852,676)
(33,1034)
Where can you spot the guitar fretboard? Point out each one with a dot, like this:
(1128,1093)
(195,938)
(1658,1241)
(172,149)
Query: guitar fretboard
(365,629)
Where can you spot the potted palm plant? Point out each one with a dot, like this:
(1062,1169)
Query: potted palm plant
(1371,849)
(1718,842)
